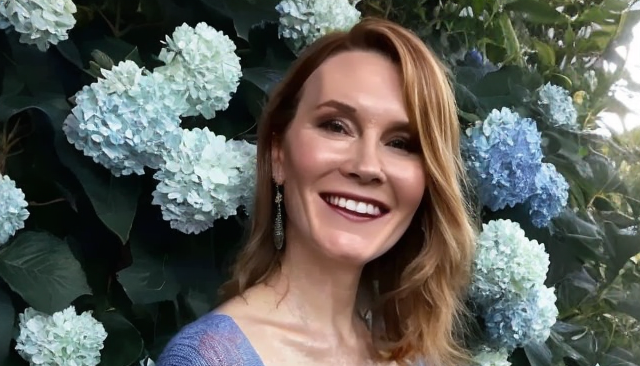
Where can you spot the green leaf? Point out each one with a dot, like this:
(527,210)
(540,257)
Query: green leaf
(115,199)
(41,268)
(246,13)
(546,54)
(69,51)
(538,12)
(7,315)
(538,354)
(619,357)
(123,345)
(148,279)
(621,247)
(572,341)
(511,43)
(262,77)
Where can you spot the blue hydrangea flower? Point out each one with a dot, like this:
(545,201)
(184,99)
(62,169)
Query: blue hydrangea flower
(202,62)
(507,263)
(63,338)
(40,22)
(126,120)
(503,157)
(13,208)
(302,22)
(488,357)
(204,179)
(552,193)
(558,105)
(516,323)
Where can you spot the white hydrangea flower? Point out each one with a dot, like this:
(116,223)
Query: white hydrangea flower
(40,22)
(488,357)
(127,120)
(201,62)
(204,179)
(61,339)
(507,264)
(302,22)
(13,208)
(558,104)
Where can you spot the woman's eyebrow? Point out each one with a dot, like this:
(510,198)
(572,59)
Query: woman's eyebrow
(341,106)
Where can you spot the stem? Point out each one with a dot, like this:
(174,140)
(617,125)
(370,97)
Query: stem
(113,29)
(33,204)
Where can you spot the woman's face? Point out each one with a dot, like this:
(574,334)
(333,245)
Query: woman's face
(353,173)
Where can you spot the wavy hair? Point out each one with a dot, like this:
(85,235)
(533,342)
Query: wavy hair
(419,285)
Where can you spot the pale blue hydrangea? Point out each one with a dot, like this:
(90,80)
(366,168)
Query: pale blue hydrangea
(201,61)
(61,339)
(488,357)
(507,264)
(40,22)
(126,120)
(510,323)
(552,193)
(13,208)
(503,157)
(302,22)
(204,179)
(558,105)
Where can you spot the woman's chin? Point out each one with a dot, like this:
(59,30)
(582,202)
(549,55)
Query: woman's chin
(351,249)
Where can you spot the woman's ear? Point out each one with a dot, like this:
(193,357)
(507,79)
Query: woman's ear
(277,160)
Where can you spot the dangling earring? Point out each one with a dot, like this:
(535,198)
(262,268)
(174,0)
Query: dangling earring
(278,229)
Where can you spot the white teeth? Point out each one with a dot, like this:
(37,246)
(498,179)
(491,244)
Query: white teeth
(352,205)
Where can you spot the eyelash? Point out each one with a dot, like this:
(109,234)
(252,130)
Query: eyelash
(337,126)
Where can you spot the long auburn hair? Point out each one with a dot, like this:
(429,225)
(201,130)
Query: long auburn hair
(419,285)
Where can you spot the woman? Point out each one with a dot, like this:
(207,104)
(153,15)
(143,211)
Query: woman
(361,246)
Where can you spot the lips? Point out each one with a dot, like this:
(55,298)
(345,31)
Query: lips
(356,205)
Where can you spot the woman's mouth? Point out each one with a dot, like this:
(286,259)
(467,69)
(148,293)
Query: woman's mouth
(354,206)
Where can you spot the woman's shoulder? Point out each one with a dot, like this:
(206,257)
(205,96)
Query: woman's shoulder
(212,340)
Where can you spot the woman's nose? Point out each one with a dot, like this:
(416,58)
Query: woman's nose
(365,164)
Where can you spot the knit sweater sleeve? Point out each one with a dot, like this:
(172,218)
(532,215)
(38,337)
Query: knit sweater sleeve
(213,340)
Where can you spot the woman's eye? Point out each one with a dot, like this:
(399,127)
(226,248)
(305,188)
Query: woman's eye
(333,126)
(401,144)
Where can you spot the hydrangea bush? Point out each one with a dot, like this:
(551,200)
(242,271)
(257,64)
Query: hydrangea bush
(39,22)
(13,208)
(201,61)
(128,131)
(204,179)
(63,338)
(304,21)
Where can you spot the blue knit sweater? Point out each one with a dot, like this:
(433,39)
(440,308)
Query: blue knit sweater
(212,340)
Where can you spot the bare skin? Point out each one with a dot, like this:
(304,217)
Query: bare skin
(306,314)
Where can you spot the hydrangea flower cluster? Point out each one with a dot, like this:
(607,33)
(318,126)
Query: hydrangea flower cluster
(304,21)
(512,324)
(508,286)
(13,208)
(503,156)
(63,338)
(40,23)
(488,357)
(558,105)
(552,193)
(506,262)
(204,179)
(127,120)
(202,62)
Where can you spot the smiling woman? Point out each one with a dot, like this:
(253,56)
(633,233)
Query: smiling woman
(361,245)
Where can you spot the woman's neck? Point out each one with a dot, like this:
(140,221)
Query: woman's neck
(318,292)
